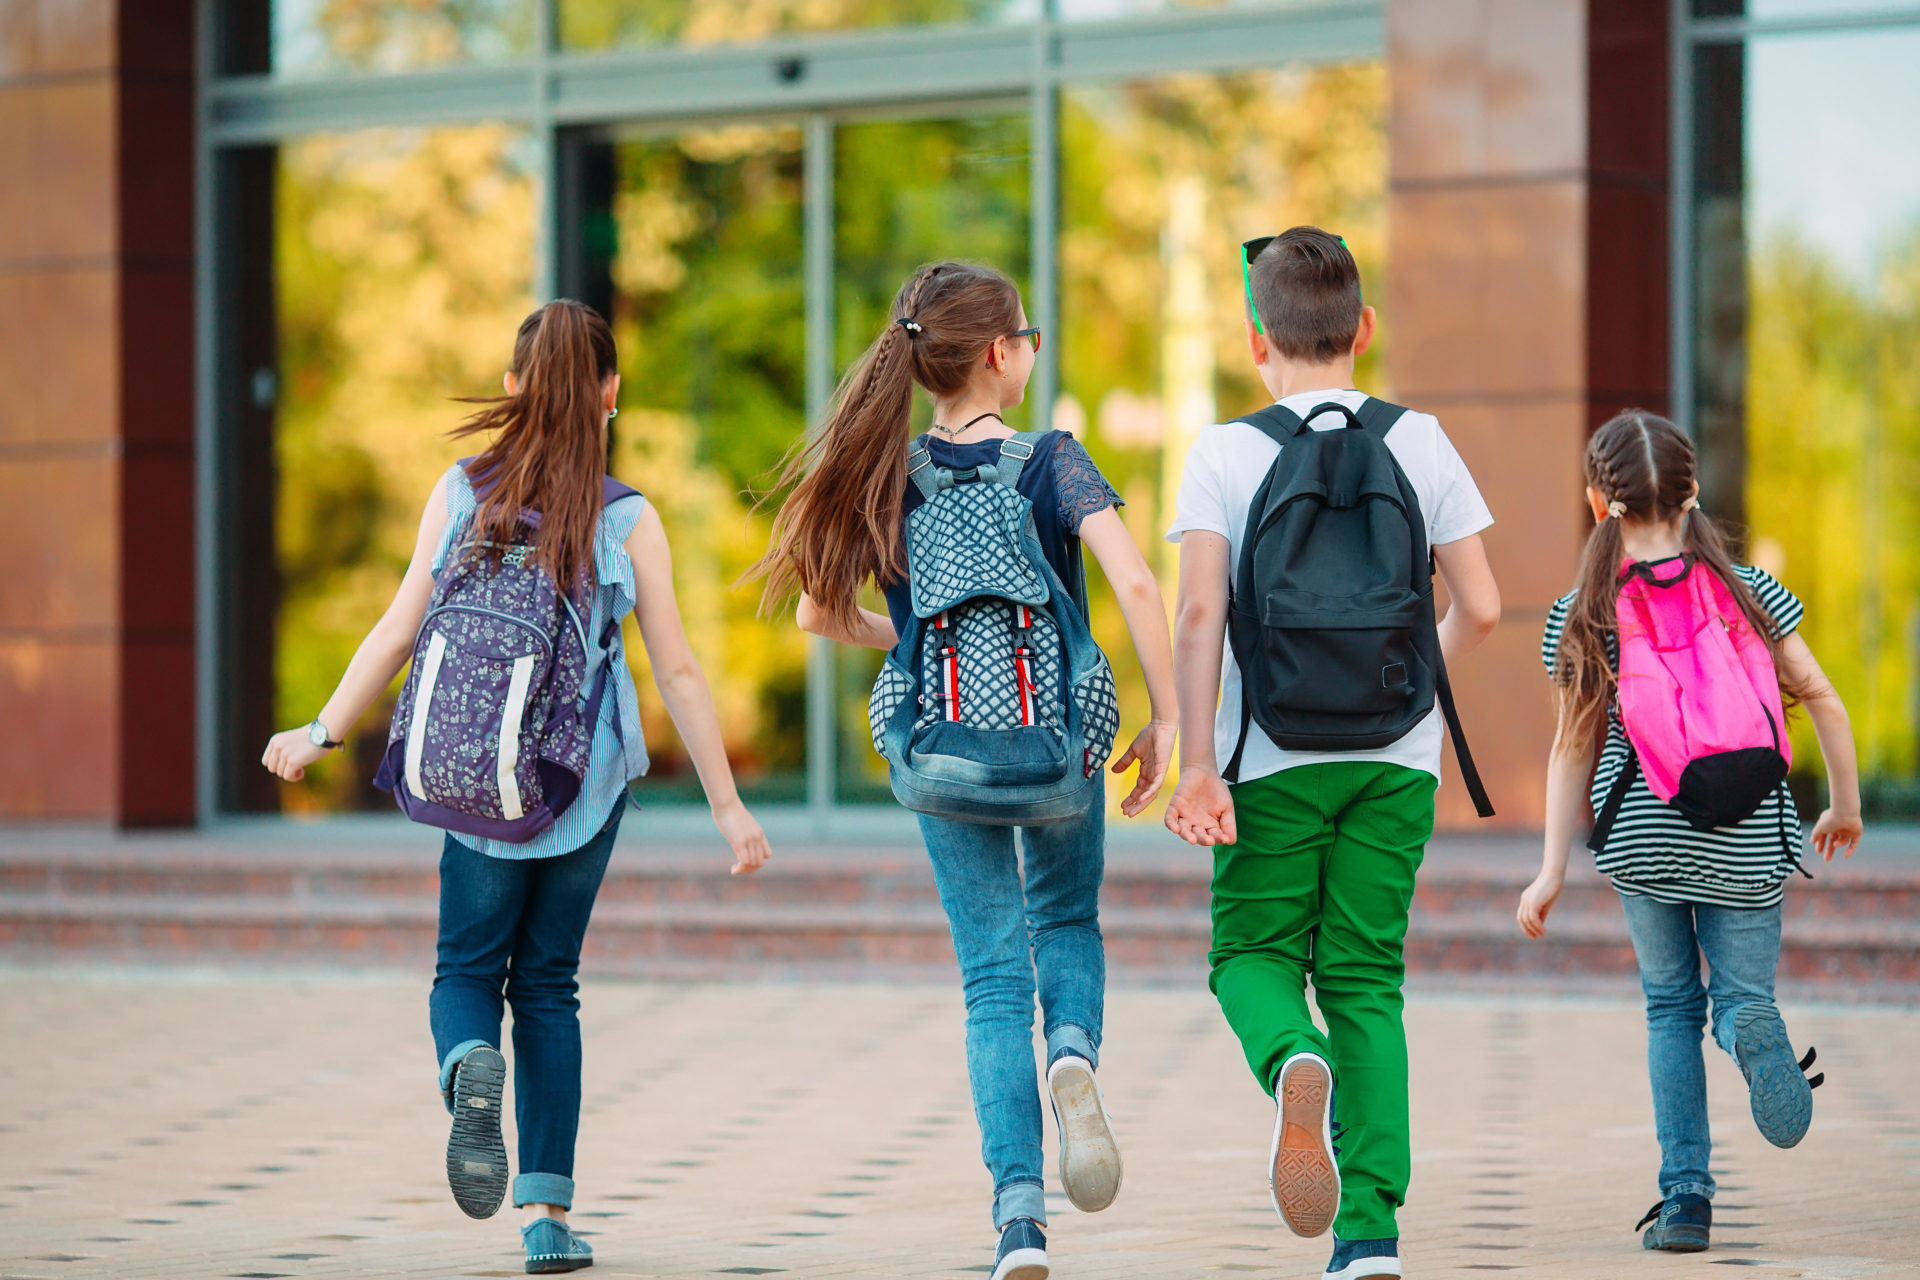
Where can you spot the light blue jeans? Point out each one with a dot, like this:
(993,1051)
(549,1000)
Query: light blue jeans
(1742,950)
(1013,936)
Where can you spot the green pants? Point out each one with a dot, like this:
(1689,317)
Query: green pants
(1318,888)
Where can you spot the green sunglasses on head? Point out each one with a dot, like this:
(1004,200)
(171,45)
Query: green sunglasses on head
(1248,252)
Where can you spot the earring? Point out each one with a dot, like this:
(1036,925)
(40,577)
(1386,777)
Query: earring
(613,413)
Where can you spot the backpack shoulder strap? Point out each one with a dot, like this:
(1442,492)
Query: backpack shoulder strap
(1277,422)
(920,469)
(1469,772)
(611,491)
(1379,416)
(1015,451)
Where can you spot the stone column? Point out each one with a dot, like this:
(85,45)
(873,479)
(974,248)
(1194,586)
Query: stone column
(1527,298)
(96,410)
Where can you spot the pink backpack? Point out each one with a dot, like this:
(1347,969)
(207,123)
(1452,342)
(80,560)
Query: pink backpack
(1699,697)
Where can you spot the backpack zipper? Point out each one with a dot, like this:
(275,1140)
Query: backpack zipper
(546,643)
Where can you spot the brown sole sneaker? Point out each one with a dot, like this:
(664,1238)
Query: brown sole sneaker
(1304,1175)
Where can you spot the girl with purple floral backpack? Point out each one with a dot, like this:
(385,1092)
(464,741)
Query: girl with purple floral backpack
(1674,668)
(518,732)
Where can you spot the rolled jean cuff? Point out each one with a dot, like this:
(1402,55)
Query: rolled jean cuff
(452,1060)
(543,1188)
(1020,1200)
(1702,1189)
(1069,1038)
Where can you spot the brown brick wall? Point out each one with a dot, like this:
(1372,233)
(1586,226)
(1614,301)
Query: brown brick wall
(96,428)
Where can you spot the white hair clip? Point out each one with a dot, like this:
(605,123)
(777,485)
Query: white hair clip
(1617,509)
(1690,504)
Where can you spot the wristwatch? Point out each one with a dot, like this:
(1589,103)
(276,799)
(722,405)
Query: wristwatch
(318,736)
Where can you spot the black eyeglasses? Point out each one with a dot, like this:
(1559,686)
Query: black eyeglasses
(1033,333)
(1248,252)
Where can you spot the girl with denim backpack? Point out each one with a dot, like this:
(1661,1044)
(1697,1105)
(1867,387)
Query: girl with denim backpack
(527,560)
(1675,667)
(949,526)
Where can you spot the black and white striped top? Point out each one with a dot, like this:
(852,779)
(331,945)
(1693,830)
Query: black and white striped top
(1652,850)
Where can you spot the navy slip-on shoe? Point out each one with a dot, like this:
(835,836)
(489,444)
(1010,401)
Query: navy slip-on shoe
(476,1154)
(1777,1087)
(1363,1259)
(552,1247)
(1681,1224)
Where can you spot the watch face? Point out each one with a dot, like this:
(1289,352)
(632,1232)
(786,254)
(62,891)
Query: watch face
(317,734)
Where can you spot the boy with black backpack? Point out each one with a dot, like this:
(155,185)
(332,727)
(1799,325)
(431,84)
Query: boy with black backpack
(1308,536)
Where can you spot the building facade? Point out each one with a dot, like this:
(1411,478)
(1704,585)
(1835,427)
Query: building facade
(249,254)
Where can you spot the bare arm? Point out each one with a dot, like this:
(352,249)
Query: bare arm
(683,688)
(872,630)
(1569,769)
(1202,808)
(380,656)
(1475,596)
(1145,612)
(1839,829)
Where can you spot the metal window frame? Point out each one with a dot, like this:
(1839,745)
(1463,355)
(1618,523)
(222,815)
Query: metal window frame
(1687,36)
(841,75)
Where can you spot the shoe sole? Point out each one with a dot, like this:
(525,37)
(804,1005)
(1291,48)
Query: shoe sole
(1366,1269)
(1777,1089)
(1304,1176)
(1089,1157)
(1677,1242)
(476,1155)
(1022,1264)
(553,1266)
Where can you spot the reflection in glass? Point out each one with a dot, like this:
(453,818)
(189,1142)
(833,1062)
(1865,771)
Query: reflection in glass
(324,37)
(908,193)
(1768,9)
(709,316)
(403,261)
(1161,181)
(1832,386)
(606,24)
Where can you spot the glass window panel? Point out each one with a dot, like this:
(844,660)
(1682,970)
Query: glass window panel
(906,193)
(1161,181)
(403,262)
(328,37)
(709,316)
(1832,389)
(1093,10)
(607,24)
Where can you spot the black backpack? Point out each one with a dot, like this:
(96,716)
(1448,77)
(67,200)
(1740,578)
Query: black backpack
(1331,612)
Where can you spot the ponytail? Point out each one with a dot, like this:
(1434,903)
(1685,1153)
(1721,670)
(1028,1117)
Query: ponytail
(549,445)
(840,523)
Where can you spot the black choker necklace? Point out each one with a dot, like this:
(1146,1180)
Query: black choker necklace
(954,431)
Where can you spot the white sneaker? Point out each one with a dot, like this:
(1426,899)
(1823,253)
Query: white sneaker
(1302,1170)
(1089,1157)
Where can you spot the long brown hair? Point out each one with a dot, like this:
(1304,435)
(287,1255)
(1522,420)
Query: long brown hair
(1642,462)
(840,524)
(549,447)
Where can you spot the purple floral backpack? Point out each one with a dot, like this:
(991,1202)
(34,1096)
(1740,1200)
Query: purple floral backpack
(495,725)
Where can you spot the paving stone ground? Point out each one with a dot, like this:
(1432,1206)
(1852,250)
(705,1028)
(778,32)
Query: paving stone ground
(160,1124)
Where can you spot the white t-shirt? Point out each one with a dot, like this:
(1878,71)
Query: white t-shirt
(1225,467)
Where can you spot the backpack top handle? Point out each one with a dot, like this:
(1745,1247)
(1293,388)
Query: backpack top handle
(1281,424)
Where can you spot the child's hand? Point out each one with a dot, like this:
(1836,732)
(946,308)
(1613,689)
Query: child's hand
(1201,811)
(1153,748)
(1536,901)
(743,836)
(1836,833)
(289,753)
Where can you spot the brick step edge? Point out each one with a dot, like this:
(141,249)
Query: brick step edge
(1564,927)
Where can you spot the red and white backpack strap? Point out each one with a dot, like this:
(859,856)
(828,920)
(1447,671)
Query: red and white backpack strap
(949,667)
(1023,659)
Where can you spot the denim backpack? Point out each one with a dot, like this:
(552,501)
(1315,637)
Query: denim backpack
(1331,610)
(996,706)
(495,724)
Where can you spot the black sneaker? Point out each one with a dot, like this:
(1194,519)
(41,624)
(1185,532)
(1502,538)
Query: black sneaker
(476,1155)
(1777,1086)
(1023,1252)
(1680,1224)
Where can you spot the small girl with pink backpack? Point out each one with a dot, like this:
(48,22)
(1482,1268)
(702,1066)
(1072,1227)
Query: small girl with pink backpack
(1676,667)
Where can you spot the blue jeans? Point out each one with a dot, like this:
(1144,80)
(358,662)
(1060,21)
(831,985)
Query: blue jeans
(510,933)
(1742,949)
(1007,933)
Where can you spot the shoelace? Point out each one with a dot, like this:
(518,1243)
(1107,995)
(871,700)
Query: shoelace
(1651,1214)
